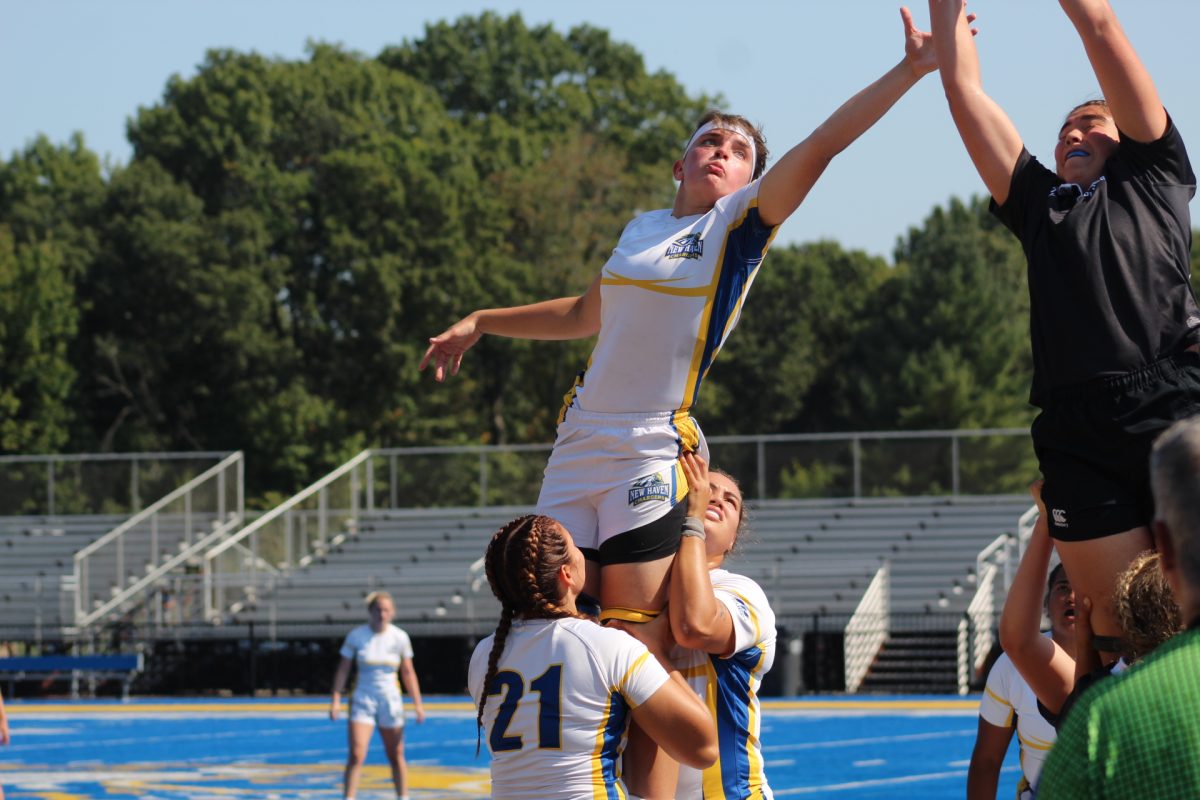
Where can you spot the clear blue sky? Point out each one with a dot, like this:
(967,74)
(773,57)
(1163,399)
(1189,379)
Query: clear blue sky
(84,65)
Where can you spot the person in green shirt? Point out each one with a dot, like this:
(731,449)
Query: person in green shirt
(1138,734)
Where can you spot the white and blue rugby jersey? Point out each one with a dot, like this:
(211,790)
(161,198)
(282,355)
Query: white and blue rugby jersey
(559,707)
(377,655)
(729,687)
(670,295)
(1007,702)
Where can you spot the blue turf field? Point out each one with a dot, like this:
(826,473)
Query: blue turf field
(828,747)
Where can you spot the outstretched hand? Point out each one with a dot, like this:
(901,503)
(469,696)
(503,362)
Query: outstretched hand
(447,348)
(918,44)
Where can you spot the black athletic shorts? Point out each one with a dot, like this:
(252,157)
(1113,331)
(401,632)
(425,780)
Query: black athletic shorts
(1093,445)
(650,542)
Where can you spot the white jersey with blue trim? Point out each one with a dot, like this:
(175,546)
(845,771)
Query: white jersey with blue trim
(670,295)
(729,687)
(559,707)
(377,656)
(1008,701)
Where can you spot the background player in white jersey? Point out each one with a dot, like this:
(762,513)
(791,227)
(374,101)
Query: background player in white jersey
(556,691)
(725,630)
(378,649)
(663,305)
(1010,706)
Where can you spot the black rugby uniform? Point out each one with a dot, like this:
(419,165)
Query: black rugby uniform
(1112,315)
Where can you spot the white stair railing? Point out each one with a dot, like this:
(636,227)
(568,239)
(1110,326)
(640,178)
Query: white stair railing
(867,629)
(138,592)
(287,537)
(119,559)
(977,628)
(995,567)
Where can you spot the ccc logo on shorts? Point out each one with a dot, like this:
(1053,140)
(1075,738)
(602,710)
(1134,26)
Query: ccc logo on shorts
(649,489)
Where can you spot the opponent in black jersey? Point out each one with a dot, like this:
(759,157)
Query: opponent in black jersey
(1114,323)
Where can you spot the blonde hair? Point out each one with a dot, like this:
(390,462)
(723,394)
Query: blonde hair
(372,600)
(1145,606)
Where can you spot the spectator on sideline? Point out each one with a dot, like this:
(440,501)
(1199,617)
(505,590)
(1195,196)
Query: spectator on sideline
(1009,705)
(379,648)
(1138,734)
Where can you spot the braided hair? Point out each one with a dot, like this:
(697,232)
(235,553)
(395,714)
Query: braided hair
(522,564)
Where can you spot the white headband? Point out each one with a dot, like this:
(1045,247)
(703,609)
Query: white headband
(726,126)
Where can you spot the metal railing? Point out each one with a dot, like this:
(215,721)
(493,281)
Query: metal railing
(977,628)
(777,466)
(995,567)
(867,629)
(159,581)
(216,497)
(93,483)
(287,537)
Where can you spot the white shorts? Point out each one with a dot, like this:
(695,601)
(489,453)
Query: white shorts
(611,473)
(384,709)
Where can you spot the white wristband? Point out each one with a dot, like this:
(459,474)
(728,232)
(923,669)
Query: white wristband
(693,527)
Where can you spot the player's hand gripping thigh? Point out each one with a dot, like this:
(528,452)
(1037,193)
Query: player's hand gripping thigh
(1094,566)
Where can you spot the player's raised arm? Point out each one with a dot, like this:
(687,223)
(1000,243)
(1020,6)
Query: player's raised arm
(989,135)
(699,621)
(1046,667)
(561,318)
(1124,81)
(787,183)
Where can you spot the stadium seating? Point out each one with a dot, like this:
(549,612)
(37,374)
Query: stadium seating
(809,556)
(36,552)
(812,557)
(37,561)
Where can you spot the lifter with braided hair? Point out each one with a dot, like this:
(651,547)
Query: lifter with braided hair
(566,688)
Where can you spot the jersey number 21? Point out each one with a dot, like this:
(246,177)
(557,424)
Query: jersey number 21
(548,687)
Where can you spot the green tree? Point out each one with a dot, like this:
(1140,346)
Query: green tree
(806,308)
(49,198)
(37,323)
(947,345)
(297,230)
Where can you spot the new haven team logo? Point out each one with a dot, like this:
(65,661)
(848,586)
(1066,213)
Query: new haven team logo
(649,489)
(690,246)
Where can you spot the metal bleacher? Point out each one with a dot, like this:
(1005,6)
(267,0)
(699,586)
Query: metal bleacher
(423,557)
(36,554)
(819,556)
(810,556)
